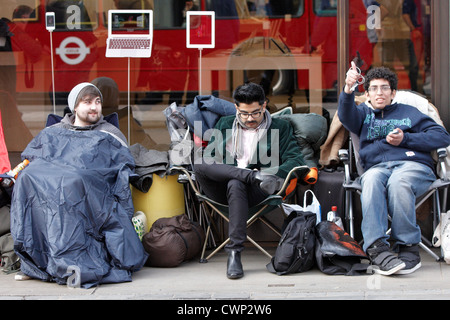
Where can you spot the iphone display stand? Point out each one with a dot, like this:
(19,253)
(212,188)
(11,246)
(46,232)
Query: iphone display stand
(50,26)
(200,33)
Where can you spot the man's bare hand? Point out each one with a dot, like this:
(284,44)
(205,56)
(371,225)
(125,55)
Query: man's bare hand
(351,78)
(395,137)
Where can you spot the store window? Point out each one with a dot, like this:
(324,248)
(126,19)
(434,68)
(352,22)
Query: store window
(74,14)
(398,36)
(288,46)
(256,8)
(324,8)
(19,53)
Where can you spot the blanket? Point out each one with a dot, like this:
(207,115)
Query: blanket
(72,208)
(206,109)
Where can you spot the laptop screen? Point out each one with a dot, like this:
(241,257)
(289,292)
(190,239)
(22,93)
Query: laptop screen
(129,23)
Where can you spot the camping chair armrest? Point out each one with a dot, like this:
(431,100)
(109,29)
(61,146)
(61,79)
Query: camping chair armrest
(344,157)
(297,172)
(187,174)
(442,155)
(178,168)
(294,173)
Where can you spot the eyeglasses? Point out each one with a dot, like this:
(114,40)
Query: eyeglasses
(255,114)
(383,88)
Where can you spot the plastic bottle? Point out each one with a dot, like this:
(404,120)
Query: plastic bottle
(334,217)
(8,182)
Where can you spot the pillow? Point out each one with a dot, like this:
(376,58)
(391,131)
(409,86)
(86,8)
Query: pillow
(310,130)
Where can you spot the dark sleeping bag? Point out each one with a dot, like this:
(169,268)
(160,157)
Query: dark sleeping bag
(72,208)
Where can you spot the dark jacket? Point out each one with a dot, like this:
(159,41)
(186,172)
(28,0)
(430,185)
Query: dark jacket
(421,133)
(289,155)
(207,110)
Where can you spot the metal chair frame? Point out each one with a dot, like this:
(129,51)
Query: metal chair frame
(352,184)
(257,212)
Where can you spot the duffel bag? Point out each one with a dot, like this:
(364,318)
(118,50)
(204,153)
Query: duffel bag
(171,241)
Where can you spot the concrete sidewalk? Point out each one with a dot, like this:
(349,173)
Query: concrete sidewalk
(193,280)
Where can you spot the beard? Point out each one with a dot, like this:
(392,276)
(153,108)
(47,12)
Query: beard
(89,117)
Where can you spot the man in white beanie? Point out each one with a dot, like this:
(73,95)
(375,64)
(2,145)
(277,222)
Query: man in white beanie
(85,103)
(79,177)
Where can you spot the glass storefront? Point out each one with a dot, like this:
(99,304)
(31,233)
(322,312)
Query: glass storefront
(290,47)
(399,33)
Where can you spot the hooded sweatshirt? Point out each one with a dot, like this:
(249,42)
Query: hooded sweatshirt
(101,125)
(421,133)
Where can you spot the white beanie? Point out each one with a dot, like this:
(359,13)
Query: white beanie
(73,95)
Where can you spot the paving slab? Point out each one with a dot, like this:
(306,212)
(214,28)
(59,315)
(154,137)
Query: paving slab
(207,281)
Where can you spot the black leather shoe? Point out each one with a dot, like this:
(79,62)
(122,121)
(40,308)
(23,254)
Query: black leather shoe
(234,265)
(269,183)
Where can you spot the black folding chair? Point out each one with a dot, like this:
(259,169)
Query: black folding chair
(255,213)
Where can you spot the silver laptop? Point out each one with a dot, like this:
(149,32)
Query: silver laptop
(130,33)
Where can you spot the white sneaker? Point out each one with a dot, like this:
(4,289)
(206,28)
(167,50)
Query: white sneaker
(20,276)
(140,223)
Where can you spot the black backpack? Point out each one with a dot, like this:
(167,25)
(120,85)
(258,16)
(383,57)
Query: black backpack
(295,251)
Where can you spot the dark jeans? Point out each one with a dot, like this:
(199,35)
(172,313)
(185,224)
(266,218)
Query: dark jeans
(233,186)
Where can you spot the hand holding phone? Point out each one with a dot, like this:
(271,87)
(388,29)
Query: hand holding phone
(395,137)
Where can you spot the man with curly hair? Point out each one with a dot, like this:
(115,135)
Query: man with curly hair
(395,145)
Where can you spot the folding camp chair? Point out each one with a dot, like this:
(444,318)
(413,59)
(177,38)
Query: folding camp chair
(351,184)
(179,128)
(255,213)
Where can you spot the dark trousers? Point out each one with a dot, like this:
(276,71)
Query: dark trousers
(233,186)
